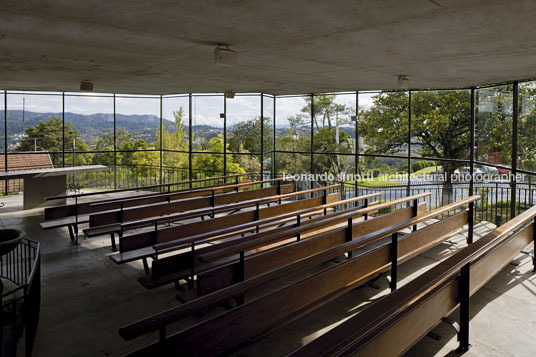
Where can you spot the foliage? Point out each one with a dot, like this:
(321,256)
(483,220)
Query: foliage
(48,136)
(215,162)
(419,165)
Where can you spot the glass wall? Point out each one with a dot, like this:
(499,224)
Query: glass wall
(147,140)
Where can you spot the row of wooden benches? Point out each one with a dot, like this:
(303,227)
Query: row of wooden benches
(113,216)
(310,244)
(370,247)
(238,255)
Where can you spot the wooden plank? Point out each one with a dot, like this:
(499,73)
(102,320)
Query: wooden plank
(196,228)
(128,201)
(431,236)
(160,209)
(488,266)
(229,234)
(260,263)
(63,222)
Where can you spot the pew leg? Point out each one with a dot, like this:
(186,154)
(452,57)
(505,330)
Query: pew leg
(464,296)
(189,282)
(71,233)
(112,238)
(240,300)
(146,266)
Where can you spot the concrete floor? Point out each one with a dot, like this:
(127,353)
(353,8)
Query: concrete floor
(86,298)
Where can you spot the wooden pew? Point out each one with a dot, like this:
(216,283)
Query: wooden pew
(187,264)
(257,264)
(201,213)
(110,222)
(162,210)
(215,270)
(228,331)
(72,215)
(392,325)
(139,245)
(181,205)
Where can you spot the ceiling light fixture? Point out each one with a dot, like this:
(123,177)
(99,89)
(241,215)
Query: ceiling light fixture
(86,86)
(224,56)
(403,82)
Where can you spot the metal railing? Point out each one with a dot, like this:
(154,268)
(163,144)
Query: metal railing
(20,271)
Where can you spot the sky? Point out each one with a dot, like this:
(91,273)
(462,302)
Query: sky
(206,109)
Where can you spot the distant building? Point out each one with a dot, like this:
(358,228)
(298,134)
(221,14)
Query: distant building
(20,161)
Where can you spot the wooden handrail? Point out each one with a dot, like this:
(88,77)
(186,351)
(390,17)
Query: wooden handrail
(370,321)
(78,195)
(166,317)
(211,189)
(219,209)
(167,247)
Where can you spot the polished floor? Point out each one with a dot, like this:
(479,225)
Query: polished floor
(86,298)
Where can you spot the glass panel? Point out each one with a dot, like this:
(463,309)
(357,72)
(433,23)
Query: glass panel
(175,167)
(267,167)
(494,125)
(291,163)
(383,123)
(210,165)
(89,123)
(441,124)
(175,132)
(244,162)
(207,122)
(243,124)
(526,145)
(384,175)
(334,128)
(268,115)
(494,205)
(93,180)
(34,124)
(2,114)
(138,168)
(293,124)
(336,165)
(137,122)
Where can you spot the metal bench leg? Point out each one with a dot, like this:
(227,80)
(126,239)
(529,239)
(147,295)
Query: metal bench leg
(71,233)
(112,237)
(146,266)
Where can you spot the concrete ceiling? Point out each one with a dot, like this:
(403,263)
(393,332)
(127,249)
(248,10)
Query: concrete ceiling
(298,46)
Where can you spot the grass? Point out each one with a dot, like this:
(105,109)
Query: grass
(427,170)
(376,182)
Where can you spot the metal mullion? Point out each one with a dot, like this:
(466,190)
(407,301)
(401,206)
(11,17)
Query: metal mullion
(515,117)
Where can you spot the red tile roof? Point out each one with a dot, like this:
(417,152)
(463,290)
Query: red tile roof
(26,161)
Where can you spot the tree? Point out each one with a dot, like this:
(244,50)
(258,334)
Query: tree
(48,136)
(440,127)
(214,163)
(174,137)
(527,127)
(246,134)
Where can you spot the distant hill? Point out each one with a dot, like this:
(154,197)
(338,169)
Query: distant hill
(92,126)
